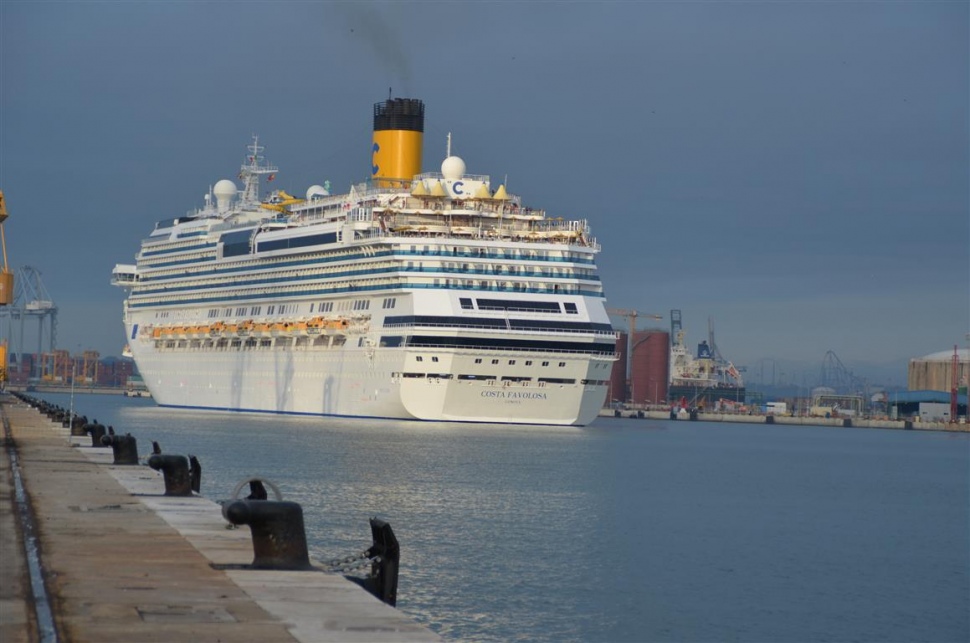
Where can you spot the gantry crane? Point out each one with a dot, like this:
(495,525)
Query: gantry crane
(632,316)
(6,288)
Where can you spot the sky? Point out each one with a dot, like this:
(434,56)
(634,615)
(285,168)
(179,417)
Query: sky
(795,173)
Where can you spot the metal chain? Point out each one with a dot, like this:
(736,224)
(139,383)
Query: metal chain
(360,564)
(352,562)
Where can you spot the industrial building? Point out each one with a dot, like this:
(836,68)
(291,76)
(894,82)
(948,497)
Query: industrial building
(936,371)
(648,367)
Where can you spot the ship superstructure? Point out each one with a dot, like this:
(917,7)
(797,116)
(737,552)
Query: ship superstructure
(703,378)
(430,296)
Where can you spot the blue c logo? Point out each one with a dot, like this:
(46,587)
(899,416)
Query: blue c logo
(374,150)
(456,187)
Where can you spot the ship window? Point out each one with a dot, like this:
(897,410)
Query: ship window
(476,377)
(478,360)
(434,359)
(515,378)
(272,309)
(466,303)
(545,363)
(494,361)
(562,364)
(511,362)
(570,308)
(528,362)
(311,309)
(511,304)
(240,311)
(419,359)
(556,380)
(392,341)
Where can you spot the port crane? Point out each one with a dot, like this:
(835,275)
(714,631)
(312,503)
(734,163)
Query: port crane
(631,316)
(6,288)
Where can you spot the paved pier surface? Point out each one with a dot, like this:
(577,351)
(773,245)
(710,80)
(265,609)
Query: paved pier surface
(122,562)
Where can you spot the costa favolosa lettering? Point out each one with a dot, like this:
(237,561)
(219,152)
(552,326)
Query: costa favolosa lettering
(520,395)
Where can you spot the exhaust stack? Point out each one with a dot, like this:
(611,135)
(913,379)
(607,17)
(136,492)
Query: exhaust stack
(398,137)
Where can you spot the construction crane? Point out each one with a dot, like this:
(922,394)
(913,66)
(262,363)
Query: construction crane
(6,277)
(6,288)
(631,316)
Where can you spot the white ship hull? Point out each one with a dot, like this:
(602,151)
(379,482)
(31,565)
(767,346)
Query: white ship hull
(359,382)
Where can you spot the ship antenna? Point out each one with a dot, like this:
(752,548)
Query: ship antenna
(448,148)
(252,170)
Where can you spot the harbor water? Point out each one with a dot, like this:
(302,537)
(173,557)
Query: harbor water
(626,530)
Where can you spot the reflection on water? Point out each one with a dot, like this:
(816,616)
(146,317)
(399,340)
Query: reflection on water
(624,531)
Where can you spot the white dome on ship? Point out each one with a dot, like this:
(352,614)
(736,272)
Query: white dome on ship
(316,191)
(453,168)
(224,191)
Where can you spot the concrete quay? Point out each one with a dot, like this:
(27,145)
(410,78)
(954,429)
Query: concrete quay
(743,418)
(119,561)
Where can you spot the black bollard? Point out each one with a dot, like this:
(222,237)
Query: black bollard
(195,474)
(387,557)
(96,431)
(124,447)
(279,538)
(175,469)
(81,428)
(256,491)
(77,425)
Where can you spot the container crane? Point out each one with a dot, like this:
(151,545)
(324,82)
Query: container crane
(6,288)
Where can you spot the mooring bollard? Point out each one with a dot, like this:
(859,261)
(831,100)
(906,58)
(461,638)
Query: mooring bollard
(195,474)
(175,470)
(81,429)
(386,556)
(279,538)
(124,447)
(96,431)
(77,425)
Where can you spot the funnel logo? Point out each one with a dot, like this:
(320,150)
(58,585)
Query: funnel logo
(374,150)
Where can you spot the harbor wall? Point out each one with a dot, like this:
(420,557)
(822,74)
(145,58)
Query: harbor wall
(786,420)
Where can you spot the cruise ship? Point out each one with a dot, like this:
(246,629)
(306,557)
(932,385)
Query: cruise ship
(430,296)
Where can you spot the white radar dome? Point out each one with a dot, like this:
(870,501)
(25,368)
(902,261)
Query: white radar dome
(225,188)
(224,191)
(453,168)
(315,191)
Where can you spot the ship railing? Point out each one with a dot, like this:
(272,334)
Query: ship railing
(506,349)
(492,253)
(544,330)
(484,234)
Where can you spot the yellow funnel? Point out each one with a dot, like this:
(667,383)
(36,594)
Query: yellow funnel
(398,138)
